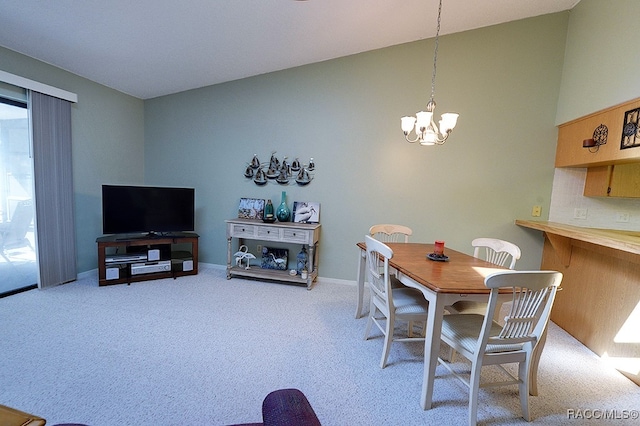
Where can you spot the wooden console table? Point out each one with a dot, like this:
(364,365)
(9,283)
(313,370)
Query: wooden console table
(306,234)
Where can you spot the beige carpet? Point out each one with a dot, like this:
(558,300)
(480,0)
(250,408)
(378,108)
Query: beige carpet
(205,350)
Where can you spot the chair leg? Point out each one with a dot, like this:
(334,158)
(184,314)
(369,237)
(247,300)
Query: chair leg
(452,354)
(524,373)
(372,313)
(535,361)
(474,389)
(388,339)
(360,301)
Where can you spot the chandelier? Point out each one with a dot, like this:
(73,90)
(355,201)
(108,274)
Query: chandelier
(426,131)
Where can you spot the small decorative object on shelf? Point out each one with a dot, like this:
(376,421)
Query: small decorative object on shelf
(283,213)
(302,260)
(306,212)
(280,172)
(599,138)
(251,208)
(243,255)
(269,215)
(274,258)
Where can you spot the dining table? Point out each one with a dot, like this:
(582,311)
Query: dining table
(442,282)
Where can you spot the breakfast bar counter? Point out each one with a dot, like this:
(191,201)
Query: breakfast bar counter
(600,299)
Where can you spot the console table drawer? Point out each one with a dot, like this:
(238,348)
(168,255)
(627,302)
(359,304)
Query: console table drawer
(242,230)
(295,236)
(269,233)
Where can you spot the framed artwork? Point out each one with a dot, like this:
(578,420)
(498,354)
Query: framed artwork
(630,129)
(275,258)
(306,212)
(251,208)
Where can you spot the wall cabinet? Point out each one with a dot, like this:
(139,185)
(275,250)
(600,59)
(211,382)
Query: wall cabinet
(306,234)
(619,180)
(570,153)
(123,259)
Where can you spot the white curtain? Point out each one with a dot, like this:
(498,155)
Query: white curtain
(53,181)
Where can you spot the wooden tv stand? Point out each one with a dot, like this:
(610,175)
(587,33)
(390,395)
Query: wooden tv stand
(121,257)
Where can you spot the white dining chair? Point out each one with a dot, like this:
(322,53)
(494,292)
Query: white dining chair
(493,250)
(390,305)
(483,341)
(387,233)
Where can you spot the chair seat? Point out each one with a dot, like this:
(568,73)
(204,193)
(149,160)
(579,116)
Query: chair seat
(465,329)
(409,301)
(468,307)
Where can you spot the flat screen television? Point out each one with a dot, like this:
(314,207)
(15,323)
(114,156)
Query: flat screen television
(147,209)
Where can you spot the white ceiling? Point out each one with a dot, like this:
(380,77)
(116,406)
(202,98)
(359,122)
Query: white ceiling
(149,48)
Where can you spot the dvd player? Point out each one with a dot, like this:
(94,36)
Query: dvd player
(151,267)
(125,258)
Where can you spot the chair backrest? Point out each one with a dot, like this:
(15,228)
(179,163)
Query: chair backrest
(388,233)
(378,255)
(533,296)
(19,225)
(496,251)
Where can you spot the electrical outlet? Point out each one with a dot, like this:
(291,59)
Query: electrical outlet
(535,212)
(580,213)
(622,217)
(259,248)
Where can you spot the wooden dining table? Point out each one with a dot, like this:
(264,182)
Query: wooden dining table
(460,277)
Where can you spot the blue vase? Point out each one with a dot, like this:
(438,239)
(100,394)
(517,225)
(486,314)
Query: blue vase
(283,213)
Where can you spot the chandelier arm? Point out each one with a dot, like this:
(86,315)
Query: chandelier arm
(406,136)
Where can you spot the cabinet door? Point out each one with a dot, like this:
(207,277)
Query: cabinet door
(597,182)
(625,180)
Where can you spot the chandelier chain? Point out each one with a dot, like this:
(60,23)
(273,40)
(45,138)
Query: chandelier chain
(435,54)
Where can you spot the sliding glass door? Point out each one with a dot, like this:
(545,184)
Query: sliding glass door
(18,267)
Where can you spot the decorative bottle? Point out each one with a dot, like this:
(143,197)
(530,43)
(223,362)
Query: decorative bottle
(302,260)
(269,216)
(283,213)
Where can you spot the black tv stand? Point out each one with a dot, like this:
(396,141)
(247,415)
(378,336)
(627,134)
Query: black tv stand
(123,258)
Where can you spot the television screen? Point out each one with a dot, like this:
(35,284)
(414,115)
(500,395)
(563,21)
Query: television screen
(139,209)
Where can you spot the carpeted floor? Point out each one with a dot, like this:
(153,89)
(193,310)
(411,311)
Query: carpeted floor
(206,350)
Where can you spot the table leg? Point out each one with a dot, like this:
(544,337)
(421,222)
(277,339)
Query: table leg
(362,261)
(431,346)
(312,265)
(229,258)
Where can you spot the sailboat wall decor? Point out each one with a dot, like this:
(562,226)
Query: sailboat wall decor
(280,172)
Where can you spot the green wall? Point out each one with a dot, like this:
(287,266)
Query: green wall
(600,70)
(602,61)
(503,80)
(108,142)
(345,113)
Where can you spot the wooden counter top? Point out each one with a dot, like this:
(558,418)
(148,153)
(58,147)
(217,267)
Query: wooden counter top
(627,241)
(601,288)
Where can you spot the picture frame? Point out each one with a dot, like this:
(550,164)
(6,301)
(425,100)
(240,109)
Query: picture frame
(275,258)
(306,212)
(251,208)
(631,129)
